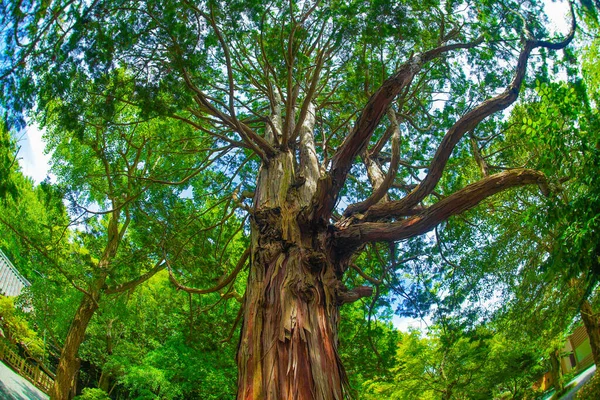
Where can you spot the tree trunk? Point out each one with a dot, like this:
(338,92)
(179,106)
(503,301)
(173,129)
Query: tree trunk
(68,364)
(288,347)
(592,326)
(556,371)
(104,381)
(289,339)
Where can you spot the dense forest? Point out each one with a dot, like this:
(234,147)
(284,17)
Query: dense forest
(244,196)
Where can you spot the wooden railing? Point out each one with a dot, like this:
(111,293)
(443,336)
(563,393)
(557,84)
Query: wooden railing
(32,373)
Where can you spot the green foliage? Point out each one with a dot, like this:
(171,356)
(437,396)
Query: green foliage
(144,110)
(16,329)
(591,390)
(92,394)
(478,364)
(367,346)
(151,344)
(8,163)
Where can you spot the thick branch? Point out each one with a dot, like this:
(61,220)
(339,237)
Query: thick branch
(466,123)
(380,191)
(354,294)
(159,266)
(462,200)
(369,119)
(309,162)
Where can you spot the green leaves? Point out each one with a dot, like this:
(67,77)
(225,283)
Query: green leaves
(8,164)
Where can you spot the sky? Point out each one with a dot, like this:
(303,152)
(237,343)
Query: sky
(32,158)
(35,163)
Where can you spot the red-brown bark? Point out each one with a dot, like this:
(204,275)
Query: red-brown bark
(357,140)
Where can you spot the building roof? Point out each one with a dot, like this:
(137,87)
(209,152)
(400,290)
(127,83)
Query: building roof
(11,281)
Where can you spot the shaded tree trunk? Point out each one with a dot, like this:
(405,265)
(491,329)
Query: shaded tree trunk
(104,381)
(592,326)
(556,371)
(68,364)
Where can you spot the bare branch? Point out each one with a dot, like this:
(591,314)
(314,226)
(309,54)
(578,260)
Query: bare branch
(382,189)
(466,123)
(159,266)
(225,282)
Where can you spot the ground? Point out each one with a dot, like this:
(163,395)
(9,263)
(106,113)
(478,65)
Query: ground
(575,384)
(15,387)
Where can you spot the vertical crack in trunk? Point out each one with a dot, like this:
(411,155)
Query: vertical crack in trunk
(288,347)
(288,344)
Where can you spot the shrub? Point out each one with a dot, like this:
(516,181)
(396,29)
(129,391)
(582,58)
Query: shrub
(92,394)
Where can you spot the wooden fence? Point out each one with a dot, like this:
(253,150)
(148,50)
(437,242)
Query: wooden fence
(33,373)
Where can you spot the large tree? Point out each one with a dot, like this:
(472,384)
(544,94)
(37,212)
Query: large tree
(333,125)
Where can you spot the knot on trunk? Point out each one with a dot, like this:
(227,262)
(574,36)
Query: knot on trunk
(304,291)
(268,222)
(345,295)
(315,261)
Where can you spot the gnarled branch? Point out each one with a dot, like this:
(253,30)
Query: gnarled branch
(463,200)
(225,282)
(367,122)
(380,191)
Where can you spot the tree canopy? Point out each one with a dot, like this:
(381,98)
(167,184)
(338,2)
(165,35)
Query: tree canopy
(290,158)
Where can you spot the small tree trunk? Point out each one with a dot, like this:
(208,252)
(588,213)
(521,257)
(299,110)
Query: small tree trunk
(104,381)
(68,364)
(592,326)
(556,371)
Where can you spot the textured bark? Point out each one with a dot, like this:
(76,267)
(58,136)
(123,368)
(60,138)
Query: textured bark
(68,364)
(556,371)
(288,343)
(592,326)
(289,339)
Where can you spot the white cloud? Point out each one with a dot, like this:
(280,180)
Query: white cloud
(32,158)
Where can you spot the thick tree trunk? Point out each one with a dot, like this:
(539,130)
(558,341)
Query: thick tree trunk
(68,364)
(289,338)
(288,348)
(592,326)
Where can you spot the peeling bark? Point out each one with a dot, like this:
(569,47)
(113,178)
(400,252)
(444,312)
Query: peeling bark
(289,339)
(309,163)
(355,234)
